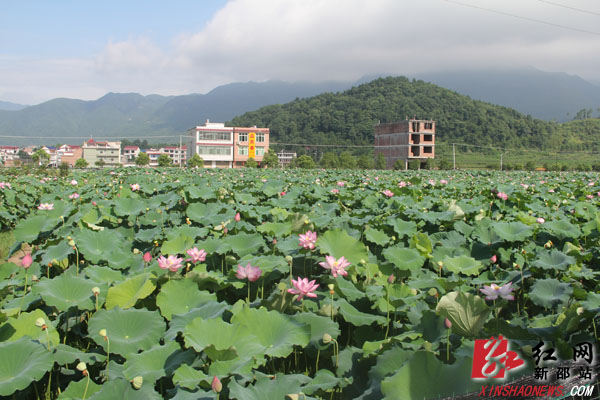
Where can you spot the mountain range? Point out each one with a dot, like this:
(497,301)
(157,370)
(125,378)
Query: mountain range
(131,115)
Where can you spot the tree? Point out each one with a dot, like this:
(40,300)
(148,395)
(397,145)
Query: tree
(251,163)
(329,161)
(303,162)
(195,161)
(64,168)
(347,160)
(142,159)
(100,163)
(40,157)
(380,161)
(270,159)
(81,163)
(365,161)
(399,164)
(164,161)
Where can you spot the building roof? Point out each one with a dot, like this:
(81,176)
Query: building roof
(131,147)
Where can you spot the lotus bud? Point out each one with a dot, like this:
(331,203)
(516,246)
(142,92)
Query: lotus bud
(216,385)
(493,259)
(137,382)
(96,291)
(40,323)
(81,367)
(27,261)
(448,323)
(327,338)
(391,279)
(102,333)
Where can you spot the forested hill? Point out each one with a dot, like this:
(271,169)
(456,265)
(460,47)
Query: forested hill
(348,117)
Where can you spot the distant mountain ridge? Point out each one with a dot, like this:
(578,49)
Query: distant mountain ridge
(8,106)
(119,115)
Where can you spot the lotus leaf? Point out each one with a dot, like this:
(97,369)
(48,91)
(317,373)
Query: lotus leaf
(128,330)
(66,291)
(403,258)
(128,292)
(466,312)
(24,325)
(338,243)
(463,265)
(22,362)
(550,292)
(181,296)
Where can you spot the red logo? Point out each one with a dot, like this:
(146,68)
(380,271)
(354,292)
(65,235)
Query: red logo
(491,358)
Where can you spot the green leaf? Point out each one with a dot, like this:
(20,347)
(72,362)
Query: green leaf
(24,325)
(422,243)
(554,260)
(404,228)
(338,243)
(442,379)
(463,265)
(181,296)
(277,229)
(356,317)
(66,291)
(128,330)
(466,312)
(592,301)
(403,258)
(96,246)
(550,292)
(245,243)
(179,245)
(127,293)
(188,377)
(123,390)
(512,231)
(22,362)
(376,236)
(319,325)
(76,389)
(563,229)
(149,364)
(27,230)
(267,388)
(207,311)
(128,206)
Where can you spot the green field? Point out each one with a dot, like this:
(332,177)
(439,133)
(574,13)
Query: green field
(420,247)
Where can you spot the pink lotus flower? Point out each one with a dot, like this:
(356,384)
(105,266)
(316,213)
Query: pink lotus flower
(493,259)
(308,240)
(589,196)
(443,182)
(282,193)
(93,203)
(135,187)
(401,184)
(250,272)
(494,291)
(388,193)
(238,217)
(196,255)
(172,263)
(74,196)
(550,190)
(147,257)
(4,185)
(341,183)
(502,196)
(216,385)
(73,182)
(27,261)
(540,220)
(335,191)
(46,206)
(302,287)
(337,267)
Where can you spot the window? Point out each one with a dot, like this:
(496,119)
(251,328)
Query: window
(243,136)
(428,138)
(243,151)
(260,151)
(428,125)
(214,150)
(428,150)
(260,138)
(221,136)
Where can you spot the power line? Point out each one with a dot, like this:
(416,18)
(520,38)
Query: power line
(524,18)
(569,7)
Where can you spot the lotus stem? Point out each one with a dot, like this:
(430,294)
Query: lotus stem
(48,338)
(86,386)
(448,345)
(387,317)
(248,298)
(317,363)
(24,294)
(107,355)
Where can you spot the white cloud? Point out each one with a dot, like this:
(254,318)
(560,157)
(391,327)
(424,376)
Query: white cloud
(324,40)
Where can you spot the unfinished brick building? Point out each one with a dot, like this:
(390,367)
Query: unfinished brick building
(407,140)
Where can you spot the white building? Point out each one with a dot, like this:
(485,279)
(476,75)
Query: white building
(213,142)
(130,153)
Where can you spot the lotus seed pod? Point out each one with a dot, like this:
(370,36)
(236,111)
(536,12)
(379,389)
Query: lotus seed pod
(331,286)
(71,243)
(102,333)
(40,322)
(96,290)
(289,259)
(136,251)
(327,338)
(293,396)
(81,366)
(137,382)
(413,292)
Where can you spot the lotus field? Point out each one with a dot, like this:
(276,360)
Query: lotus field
(288,284)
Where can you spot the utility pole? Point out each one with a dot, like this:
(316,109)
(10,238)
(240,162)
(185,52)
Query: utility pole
(453,156)
(180,156)
(501,161)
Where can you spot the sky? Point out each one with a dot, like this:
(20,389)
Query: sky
(85,49)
